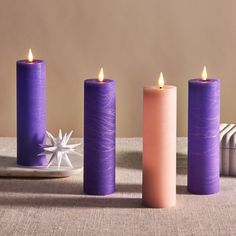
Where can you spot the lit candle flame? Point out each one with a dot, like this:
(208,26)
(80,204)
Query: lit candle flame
(204,73)
(101,75)
(30,56)
(161,81)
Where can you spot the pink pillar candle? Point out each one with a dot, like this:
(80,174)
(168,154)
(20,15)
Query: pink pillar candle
(159,145)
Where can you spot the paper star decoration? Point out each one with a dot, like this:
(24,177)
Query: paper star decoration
(59,148)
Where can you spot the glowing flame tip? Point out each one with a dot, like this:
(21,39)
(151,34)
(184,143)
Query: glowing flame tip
(101,75)
(204,73)
(30,56)
(161,80)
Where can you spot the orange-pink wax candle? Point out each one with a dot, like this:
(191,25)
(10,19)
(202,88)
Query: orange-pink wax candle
(159,145)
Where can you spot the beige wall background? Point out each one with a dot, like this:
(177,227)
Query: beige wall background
(132,39)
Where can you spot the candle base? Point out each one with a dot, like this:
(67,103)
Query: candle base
(157,205)
(37,161)
(203,191)
(96,191)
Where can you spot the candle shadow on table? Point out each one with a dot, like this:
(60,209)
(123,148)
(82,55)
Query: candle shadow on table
(129,160)
(65,186)
(133,160)
(81,201)
(7,161)
(70,201)
(128,188)
(181,164)
(182,190)
(69,185)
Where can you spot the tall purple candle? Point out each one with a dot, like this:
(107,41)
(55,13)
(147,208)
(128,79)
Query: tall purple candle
(203,135)
(31,111)
(99,135)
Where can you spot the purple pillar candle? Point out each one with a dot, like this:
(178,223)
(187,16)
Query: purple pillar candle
(203,135)
(99,136)
(31,111)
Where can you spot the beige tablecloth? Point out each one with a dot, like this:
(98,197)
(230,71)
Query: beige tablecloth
(59,207)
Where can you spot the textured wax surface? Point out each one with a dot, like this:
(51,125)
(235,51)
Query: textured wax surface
(203,136)
(31,112)
(159,146)
(99,136)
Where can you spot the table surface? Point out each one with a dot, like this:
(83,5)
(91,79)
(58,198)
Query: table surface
(59,207)
(9,167)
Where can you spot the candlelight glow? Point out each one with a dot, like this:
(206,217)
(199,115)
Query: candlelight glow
(204,73)
(161,81)
(101,75)
(30,56)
